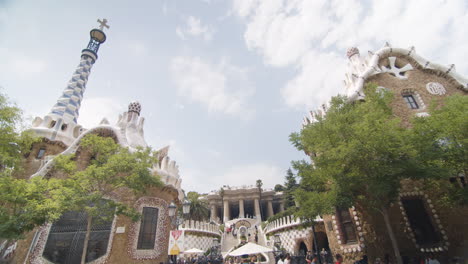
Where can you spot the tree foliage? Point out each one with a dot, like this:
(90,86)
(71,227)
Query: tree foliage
(279,188)
(13,141)
(23,203)
(199,210)
(290,186)
(362,154)
(442,141)
(112,168)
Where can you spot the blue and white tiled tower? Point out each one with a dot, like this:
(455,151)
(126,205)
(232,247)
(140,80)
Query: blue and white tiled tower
(61,123)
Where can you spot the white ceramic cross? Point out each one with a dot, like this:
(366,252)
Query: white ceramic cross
(103,24)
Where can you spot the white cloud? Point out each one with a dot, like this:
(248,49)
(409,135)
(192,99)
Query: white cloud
(316,81)
(195,28)
(94,109)
(250,173)
(28,65)
(21,64)
(219,87)
(313,36)
(138,48)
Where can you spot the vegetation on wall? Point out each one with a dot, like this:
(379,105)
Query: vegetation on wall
(112,168)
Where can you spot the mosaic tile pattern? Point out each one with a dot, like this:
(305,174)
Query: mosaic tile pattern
(200,242)
(290,239)
(68,105)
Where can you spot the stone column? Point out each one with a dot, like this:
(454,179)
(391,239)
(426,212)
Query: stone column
(214,213)
(241,209)
(270,208)
(258,214)
(281,207)
(226,211)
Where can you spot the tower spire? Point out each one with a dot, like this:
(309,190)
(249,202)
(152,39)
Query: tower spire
(68,105)
(62,119)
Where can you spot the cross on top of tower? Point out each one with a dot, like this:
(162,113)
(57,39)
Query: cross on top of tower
(103,24)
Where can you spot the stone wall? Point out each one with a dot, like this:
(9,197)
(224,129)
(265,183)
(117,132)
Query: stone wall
(417,81)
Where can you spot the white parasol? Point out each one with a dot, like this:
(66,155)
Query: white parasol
(250,248)
(193,251)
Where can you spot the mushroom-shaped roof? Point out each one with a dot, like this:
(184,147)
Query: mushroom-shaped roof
(352,51)
(135,107)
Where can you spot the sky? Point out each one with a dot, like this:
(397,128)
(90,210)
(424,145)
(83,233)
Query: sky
(223,82)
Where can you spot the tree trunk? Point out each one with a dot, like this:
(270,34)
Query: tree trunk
(315,244)
(396,250)
(85,246)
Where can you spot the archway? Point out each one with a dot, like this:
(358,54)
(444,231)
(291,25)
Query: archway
(302,249)
(322,241)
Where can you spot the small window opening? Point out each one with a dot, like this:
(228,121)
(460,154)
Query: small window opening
(40,153)
(410,101)
(148,227)
(347,226)
(64,126)
(52,124)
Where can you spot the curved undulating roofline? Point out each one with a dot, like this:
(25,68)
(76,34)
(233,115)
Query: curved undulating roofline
(371,68)
(360,69)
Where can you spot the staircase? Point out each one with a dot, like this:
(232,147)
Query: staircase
(229,241)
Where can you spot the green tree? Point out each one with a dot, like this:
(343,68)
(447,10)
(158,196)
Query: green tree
(362,153)
(290,185)
(442,141)
(24,204)
(112,168)
(13,141)
(279,188)
(199,210)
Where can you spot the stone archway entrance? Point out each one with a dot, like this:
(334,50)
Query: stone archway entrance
(322,241)
(302,249)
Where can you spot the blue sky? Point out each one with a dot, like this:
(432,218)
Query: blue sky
(224,82)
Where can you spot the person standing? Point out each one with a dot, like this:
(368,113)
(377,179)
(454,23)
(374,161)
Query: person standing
(432,259)
(339,259)
(323,255)
(287,259)
(280,259)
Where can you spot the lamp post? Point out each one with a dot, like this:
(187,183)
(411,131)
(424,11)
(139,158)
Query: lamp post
(176,220)
(277,244)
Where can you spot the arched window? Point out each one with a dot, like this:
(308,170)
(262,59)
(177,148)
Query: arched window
(66,239)
(413,99)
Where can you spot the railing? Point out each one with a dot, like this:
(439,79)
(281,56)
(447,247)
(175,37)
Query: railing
(243,187)
(197,226)
(286,222)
